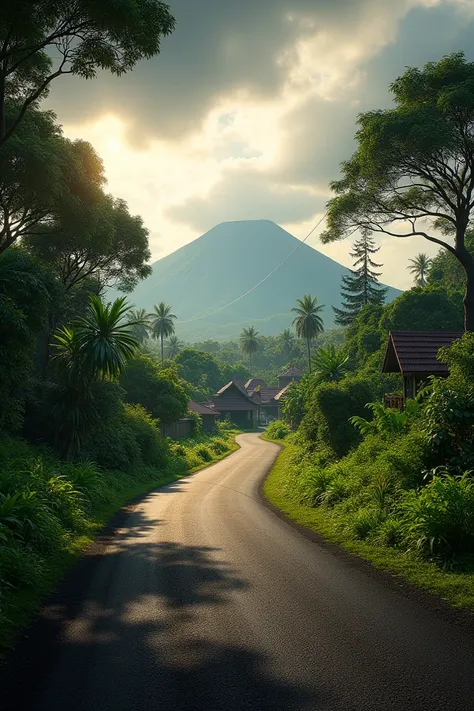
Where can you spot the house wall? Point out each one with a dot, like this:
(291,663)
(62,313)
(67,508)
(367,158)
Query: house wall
(208,423)
(245,419)
(178,430)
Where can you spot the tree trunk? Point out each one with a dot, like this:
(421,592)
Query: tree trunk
(469,298)
(309,353)
(162,351)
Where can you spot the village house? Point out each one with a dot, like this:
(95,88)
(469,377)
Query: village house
(254,402)
(414,355)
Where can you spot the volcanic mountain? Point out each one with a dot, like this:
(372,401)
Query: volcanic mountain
(213,270)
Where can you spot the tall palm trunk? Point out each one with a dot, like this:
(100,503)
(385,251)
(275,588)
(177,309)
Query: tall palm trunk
(308,343)
(162,350)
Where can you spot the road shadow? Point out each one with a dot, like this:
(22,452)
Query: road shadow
(125,631)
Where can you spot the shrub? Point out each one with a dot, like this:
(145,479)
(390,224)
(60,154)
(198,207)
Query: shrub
(439,518)
(277,430)
(203,452)
(154,450)
(326,421)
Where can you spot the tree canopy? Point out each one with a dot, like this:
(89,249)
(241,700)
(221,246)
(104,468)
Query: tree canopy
(44,39)
(412,172)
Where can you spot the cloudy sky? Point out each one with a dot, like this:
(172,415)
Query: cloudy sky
(250,108)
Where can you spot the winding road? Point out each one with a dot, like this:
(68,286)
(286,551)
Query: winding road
(205,600)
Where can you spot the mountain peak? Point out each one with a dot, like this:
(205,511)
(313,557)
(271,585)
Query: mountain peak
(228,260)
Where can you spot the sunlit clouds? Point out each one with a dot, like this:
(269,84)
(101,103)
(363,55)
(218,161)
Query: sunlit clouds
(260,143)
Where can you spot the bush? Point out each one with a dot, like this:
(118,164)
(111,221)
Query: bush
(277,430)
(158,390)
(326,421)
(439,519)
(154,450)
(203,453)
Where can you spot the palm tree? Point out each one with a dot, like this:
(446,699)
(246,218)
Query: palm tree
(173,346)
(287,342)
(97,345)
(162,325)
(141,319)
(307,322)
(330,364)
(419,268)
(249,342)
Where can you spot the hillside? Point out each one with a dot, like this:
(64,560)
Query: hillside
(226,261)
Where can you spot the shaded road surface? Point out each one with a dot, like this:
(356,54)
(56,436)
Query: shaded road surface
(206,601)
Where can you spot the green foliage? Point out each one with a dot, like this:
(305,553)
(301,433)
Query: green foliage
(329,364)
(430,309)
(419,267)
(25,294)
(361,287)
(159,390)
(249,342)
(154,451)
(386,421)
(162,324)
(47,39)
(326,423)
(439,519)
(401,179)
(277,430)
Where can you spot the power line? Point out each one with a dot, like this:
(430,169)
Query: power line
(249,291)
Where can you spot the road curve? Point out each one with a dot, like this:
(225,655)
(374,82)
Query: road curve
(204,600)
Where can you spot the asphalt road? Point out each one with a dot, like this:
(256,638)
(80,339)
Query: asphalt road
(206,601)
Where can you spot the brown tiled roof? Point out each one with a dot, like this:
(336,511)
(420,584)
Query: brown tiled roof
(267,394)
(235,402)
(292,372)
(202,409)
(416,351)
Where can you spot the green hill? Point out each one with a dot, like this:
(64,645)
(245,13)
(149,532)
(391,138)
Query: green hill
(227,261)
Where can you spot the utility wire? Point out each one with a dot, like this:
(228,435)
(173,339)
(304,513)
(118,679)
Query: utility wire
(242,296)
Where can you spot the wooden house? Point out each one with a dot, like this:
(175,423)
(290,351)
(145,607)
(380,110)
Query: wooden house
(234,402)
(414,355)
(207,414)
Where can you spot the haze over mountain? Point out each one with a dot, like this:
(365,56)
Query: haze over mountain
(228,260)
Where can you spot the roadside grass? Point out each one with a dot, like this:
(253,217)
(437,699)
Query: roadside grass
(19,605)
(455,587)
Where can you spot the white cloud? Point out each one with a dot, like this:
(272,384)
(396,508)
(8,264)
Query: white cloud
(240,153)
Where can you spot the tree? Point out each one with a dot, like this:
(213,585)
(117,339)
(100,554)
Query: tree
(419,268)
(162,325)
(249,343)
(26,291)
(428,309)
(329,364)
(45,39)
(139,320)
(93,347)
(286,341)
(307,322)
(104,243)
(413,166)
(173,346)
(361,287)
(159,390)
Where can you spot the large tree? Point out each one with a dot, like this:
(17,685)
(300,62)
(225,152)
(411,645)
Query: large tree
(308,322)
(41,40)
(413,170)
(361,287)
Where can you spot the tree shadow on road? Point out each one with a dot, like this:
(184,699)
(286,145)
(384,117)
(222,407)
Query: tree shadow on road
(134,626)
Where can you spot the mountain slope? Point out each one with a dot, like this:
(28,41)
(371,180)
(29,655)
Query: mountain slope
(221,265)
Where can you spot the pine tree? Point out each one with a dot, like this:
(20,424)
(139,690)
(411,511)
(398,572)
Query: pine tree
(362,286)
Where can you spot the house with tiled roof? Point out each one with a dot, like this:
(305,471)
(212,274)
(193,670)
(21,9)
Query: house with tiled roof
(207,414)
(289,375)
(414,354)
(235,403)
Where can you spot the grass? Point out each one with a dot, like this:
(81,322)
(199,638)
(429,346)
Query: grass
(23,603)
(457,588)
